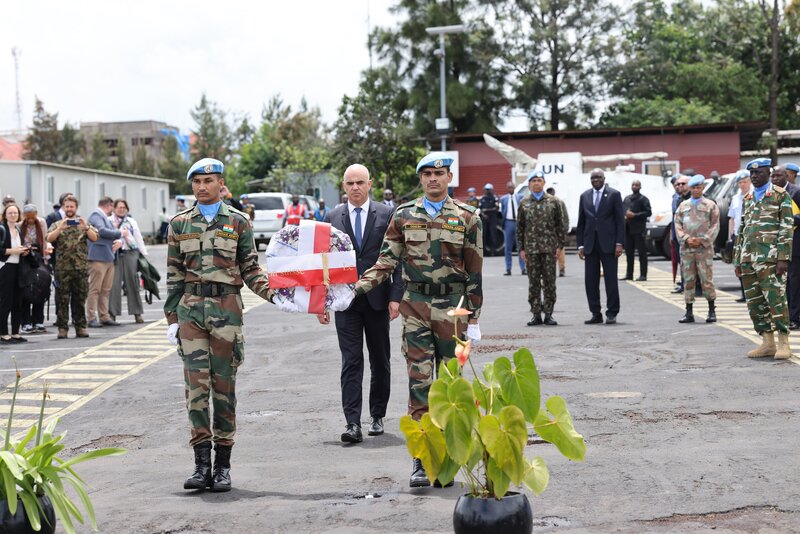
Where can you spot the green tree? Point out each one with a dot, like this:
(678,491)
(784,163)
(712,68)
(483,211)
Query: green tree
(44,140)
(99,154)
(173,167)
(71,146)
(213,137)
(142,164)
(475,79)
(374,128)
(555,50)
(122,156)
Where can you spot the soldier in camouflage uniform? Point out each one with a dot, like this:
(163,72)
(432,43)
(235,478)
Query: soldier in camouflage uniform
(69,237)
(696,227)
(540,233)
(438,239)
(561,257)
(211,254)
(761,257)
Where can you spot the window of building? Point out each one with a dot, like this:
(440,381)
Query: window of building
(134,141)
(144,198)
(148,140)
(661,168)
(51,189)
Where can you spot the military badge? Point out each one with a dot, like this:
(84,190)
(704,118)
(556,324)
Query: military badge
(208,169)
(453,221)
(227,228)
(438,163)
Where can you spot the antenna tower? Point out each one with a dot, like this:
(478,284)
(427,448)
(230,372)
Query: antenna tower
(16,52)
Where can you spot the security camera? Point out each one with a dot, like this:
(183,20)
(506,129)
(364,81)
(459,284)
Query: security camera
(439,53)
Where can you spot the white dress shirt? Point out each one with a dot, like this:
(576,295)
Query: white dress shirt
(364,210)
(511,211)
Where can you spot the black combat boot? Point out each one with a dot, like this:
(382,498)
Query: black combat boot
(712,312)
(536,320)
(201,478)
(548,320)
(222,468)
(419,478)
(688,317)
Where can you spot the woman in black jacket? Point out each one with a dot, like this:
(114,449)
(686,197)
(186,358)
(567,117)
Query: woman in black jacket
(11,250)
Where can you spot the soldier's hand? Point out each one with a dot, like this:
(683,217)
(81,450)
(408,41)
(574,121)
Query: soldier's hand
(474,332)
(324,318)
(394,310)
(172,333)
(782,267)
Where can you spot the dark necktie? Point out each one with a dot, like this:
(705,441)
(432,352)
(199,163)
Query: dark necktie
(357,229)
(596,199)
(513,208)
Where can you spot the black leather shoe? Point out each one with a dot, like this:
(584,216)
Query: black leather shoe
(507,273)
(524,272)
(678,289)
(627,278)
(611,319)
(419,478)
(596,319)
(536,320)
(222,469)
(201,478)
(741,299)
(642,279)
(794,326)
(376,426)
(549,321)
(352,434)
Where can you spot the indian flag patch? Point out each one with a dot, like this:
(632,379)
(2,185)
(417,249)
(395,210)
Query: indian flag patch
(453,221)
(227,228)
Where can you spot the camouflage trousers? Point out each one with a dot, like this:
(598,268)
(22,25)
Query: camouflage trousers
(541,282)
(212,348)
(766,297)
(427,341)
(697,262)
(72,288)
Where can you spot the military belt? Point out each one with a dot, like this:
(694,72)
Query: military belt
(210,289)
(436,290)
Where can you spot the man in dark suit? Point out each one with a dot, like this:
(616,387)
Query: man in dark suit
(600,234)
(637,211)
(365,222)
(780,177)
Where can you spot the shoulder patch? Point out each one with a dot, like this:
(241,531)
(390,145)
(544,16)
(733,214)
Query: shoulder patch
(182,212)
(464,206)
(409,204)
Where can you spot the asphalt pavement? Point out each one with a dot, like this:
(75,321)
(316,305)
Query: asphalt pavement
(683,432)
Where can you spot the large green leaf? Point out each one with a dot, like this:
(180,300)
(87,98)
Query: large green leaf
(498,478)
(425,441)
(449,371)
(31,510)
(9,489)
(452,408)
(448,472)
(536,475)
(504,437)
(11,462)
(520,385)
(559,430)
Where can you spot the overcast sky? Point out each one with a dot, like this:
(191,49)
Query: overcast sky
(115,61)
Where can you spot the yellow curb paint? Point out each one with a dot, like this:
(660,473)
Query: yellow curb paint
(82,367)
(51,397)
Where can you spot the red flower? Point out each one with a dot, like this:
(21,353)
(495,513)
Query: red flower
(462,352)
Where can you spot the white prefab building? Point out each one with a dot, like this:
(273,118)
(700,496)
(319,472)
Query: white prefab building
(42,183)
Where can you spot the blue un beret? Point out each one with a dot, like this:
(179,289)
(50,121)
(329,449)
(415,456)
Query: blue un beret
(792,167)
(535,174)
(697,179)
(436,160)
(205,166)
(741,175)
(758,163)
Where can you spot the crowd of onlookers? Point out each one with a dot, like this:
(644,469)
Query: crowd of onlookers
(89,262)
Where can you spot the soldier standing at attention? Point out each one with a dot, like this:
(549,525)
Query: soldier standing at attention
(761,257)
(439,241)
(540,234)
(210,255)
(696,227)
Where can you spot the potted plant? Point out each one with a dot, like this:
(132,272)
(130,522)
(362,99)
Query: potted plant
(481,428)
(34,479)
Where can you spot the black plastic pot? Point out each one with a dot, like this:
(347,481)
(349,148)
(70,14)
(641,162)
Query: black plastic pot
(18,523)
(510,515)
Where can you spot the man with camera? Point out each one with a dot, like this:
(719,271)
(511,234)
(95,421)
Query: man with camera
(72,271)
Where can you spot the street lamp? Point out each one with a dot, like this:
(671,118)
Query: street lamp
(443,123)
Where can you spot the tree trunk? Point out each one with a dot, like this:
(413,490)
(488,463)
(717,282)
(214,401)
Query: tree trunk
(773,84)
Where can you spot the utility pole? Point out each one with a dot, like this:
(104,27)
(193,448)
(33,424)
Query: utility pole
(16,52)
(443,123)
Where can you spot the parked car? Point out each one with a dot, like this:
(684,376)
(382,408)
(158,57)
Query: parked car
(269,210)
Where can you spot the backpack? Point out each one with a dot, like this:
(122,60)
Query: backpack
(34,281)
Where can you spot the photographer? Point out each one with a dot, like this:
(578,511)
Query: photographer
(11,250)
(69,235)
(33,231)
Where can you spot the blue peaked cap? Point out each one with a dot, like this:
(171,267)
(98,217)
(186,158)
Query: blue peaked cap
(697,179)
(758,163)
(792,167)
(536,174)
(436,160)
(205,166)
